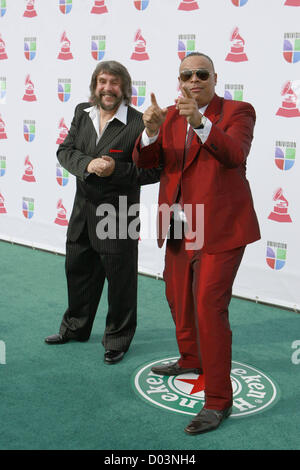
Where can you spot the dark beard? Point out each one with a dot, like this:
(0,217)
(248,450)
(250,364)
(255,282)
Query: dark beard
(115,105)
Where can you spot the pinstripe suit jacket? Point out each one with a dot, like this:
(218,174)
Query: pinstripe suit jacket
(76,152)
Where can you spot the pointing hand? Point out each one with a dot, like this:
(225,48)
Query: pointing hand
(188,107)
(154,117)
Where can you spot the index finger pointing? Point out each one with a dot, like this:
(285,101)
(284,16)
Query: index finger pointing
(153,100)
(186,92)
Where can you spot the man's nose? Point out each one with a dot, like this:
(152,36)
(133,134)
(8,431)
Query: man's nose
(107,86)
(194,77)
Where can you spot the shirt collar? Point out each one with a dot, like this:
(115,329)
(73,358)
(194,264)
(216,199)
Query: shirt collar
(121,113)
(94,113)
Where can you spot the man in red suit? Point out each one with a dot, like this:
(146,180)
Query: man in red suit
(205,193)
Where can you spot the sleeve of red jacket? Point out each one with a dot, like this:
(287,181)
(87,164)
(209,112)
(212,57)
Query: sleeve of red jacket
(149,156)
(230,145)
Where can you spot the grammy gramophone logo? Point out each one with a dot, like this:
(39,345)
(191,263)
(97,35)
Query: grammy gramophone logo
(188,5)
(29,94)
(292,3)
(61,216)
(139,52)
(30,11)
(99,7)
(65,48)
(237,53)
(28,174)
(289,104)
(3,54)
(63,131)
(2,204)
(3,134)
(280,211)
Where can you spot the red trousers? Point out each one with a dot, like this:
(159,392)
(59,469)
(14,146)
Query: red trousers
(198,290)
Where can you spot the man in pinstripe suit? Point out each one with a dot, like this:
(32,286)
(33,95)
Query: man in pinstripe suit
(98,151)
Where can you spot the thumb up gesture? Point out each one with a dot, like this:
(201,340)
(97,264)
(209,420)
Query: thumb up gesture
(153,117)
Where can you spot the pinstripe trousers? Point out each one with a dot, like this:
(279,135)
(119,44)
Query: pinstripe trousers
(86,272)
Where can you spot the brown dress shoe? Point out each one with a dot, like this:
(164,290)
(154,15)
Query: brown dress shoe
(174,369)
(207,420)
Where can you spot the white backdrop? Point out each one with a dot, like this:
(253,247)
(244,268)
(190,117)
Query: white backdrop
(48,51)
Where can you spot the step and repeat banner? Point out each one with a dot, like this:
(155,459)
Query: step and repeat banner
(48,51)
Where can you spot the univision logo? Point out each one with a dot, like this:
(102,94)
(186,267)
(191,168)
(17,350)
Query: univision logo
(65,6)
(2,90)
(141,4)
(253,390)
(28,207)
(64,89)
(234,92)
(30,48)
(2,165)
(291,47)
(138,93)
(186,45)
(285,155)
(2,7)
(29,130)
(276,255)
(239,3)
(62,175)
(98,44)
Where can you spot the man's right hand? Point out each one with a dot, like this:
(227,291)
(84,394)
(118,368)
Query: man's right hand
(153,117)
(101,166)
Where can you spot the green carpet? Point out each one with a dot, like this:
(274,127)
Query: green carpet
(64,397)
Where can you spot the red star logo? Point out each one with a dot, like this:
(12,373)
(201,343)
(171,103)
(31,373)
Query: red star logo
(198,384)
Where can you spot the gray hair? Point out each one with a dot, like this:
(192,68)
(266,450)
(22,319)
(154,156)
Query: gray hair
(114,68)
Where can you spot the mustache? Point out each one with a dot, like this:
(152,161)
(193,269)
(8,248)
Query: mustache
(108,94)
(98,100)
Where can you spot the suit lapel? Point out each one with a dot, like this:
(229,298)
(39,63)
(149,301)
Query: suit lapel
(112,130)
(89,135)
(213,113)
(214,109)
(179,135)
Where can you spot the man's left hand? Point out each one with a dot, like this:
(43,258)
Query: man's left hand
(188,107)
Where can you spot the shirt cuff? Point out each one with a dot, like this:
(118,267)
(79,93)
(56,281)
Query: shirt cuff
(204,133)
(146,140)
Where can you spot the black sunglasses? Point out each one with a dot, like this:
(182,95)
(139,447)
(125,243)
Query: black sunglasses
(202,74)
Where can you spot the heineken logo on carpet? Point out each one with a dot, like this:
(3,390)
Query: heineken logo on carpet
(253,390)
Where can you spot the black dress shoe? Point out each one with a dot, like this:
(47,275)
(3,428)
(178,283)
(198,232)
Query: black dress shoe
(112,357)
(56,339)
(207,420)
(174,369)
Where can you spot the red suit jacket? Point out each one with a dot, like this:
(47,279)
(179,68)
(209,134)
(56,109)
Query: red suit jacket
(214,173)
